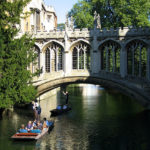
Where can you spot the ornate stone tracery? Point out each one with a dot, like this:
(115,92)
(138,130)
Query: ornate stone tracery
(114,51)
(81,56)
(53,57)
(35,65)
(137,58)
(110,56)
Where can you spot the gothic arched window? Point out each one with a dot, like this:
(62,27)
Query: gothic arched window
(81,56)
(136,58)
(110,56)
(35,65)
(53,57)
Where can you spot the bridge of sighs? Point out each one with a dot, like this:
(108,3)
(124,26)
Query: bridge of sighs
(116,58)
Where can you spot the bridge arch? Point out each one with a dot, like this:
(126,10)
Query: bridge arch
(110,55)
(127,89)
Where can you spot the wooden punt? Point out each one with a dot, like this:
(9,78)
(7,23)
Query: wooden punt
(32,136)
(60,111)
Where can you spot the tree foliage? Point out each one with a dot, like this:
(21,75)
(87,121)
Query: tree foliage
(15,56)
(82,14)
(61,26)
(113,13)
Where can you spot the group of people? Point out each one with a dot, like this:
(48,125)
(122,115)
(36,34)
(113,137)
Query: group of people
(34,126)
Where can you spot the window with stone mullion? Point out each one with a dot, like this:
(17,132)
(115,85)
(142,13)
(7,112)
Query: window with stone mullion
(59,58)
(81,59)
(75,58)
(47,60)
(137,58)
(53,60)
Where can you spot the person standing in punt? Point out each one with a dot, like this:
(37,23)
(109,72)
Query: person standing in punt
(67,97)
(37,109)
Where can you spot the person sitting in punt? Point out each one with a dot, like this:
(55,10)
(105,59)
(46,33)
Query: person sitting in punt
(39,125)
(64,107)
(35,130)
(29,126)
(22,129)
(34,123)
(59,107)
(45,124)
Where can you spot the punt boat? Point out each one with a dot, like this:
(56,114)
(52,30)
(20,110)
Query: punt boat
(60,110)
(33,136)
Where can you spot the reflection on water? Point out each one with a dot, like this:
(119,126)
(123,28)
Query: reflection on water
(99,120)
(49,101)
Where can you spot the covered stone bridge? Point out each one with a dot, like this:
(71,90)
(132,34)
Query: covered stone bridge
(117,58)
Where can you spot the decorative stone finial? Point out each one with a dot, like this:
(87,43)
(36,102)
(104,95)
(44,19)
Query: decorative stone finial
(67,23)
(71,23)
(66,27)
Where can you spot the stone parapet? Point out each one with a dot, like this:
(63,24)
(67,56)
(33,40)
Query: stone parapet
(85,33)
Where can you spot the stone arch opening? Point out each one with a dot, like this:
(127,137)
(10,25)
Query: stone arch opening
(35,65)
(53,57)
(81,55)
(137,52)
(110,56)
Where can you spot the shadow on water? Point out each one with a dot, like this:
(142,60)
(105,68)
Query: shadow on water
(129,132)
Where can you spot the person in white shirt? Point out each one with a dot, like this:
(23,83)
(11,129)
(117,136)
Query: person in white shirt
(35,109)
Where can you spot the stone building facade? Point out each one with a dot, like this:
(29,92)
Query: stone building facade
(41,17)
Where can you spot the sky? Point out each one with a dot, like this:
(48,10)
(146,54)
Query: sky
(62,7)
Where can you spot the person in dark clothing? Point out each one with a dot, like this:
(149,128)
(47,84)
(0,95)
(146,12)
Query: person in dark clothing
(67,96)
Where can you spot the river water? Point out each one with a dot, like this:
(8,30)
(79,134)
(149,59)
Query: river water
(100,119)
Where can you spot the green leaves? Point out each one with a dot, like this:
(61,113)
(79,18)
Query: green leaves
(15,57)
(81,13)
(113,13)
